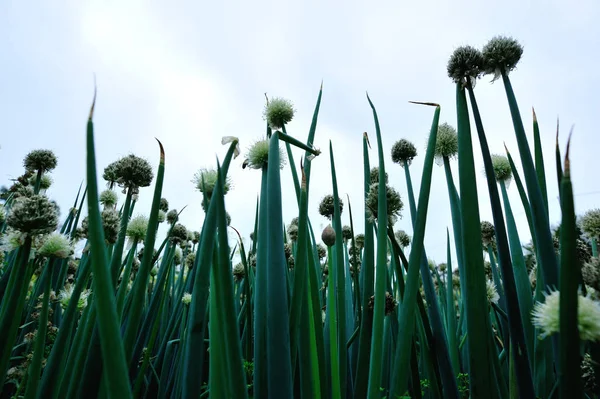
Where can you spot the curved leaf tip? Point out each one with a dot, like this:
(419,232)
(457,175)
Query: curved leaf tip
(162,151)
(93,101)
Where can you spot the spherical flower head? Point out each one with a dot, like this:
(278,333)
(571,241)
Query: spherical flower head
(110,173)
(403,151)
(162,215)
(394,203)
(186,299)
(11,240)
(374,176)
(56,245)
(43,160)
(501,54)
(402,238)
(108,198)
(177,257)
(446,144)
(238,272)
(327,206)
(546,316)
(442,267)
(154,271)
(133,172)
(279,112)
(590,272)
(502,168)
(590,223)
(164,205)
(390,303)
(328,236)
(205,181)
(346,233)
(190,259)
(359,240)
(293,232)
(33,215)
(178,234)
(321,251)
(195,237)
(45,182)
(487,233)
(465,64)
(294,222)
(172,216)
(492,293)
(64,297)
(111,221)
(258,155)
(137,228)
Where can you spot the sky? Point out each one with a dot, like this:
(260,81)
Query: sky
(190,72)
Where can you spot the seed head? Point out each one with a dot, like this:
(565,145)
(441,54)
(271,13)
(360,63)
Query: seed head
(390,303)
(328,236)
(205,181)
(359,240)
(446,144)
(172,216)
(492,293)
(112,223)
(177,257)
(133,172)
(279,112)
(590,272)
(164,205)
(321,251)
(375,175)
(590,223)
(195,237)
(108,198)
(327,206)
(465,64)
(502,168)
(293,232)
(501,54)
(546,316)
(45,182)
(178,234)
(56,245)
(258,155)
(346,233)
(161,216)
(394,203)
(43,160)
(488,233)
(402,238)
(190,259)
(137,228)
(238,272)
(186,299)
(403,151)
(33,215)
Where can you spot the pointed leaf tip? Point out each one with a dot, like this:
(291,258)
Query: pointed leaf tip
(162,151)
(557,125)
(425,103)
(93,101)
(534,115)
(567,159)
(366,136)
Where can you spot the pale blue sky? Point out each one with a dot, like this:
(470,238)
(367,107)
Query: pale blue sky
(189,73)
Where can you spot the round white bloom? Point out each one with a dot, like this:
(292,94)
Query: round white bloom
(187,298)
(492,293)
(56,245)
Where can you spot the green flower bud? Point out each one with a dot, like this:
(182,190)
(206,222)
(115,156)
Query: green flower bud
(43,160)
(279,112)
(403,151)
(56,245)
(501,54)
(154,271)
(186,299)
(374,176)
(327,206)
(466,63)
(108,198)
(137,228)
(33,215)
(502,168)
(258,155)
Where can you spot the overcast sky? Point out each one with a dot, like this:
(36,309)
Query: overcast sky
(190,72)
